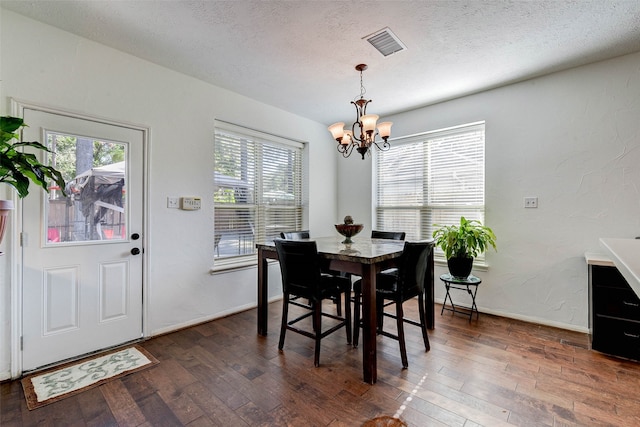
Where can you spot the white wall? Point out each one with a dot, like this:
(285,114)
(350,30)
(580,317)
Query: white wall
(573,140)
(43,65)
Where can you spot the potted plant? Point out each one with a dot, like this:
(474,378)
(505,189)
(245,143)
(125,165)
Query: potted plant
(20,169)
(462,243)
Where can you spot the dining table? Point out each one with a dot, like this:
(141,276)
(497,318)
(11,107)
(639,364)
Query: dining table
(364,257)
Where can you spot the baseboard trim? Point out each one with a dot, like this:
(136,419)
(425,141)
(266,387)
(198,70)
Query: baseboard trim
(205,319)
(529,319)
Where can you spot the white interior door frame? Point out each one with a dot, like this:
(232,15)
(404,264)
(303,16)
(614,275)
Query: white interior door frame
(17,110)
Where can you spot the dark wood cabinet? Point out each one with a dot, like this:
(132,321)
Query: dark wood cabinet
(614,313)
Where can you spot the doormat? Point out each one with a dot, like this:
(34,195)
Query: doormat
(46,387)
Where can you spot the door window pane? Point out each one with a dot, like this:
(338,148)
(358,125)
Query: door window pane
(95,207)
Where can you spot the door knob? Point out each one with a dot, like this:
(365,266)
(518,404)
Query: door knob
(135,236)
(135,251)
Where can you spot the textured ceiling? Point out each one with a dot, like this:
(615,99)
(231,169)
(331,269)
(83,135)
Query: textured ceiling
(300,55)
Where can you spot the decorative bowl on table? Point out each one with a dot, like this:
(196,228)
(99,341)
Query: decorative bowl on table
(349,229)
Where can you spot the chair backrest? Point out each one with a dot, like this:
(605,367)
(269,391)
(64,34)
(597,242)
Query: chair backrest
(392,235)
(412,267)
(295,235)
(299,266)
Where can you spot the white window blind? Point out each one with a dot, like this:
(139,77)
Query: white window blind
(257,191)
(431,178)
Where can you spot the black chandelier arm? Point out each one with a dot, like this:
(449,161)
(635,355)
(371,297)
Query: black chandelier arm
(363,143)
(345,149)
(354,135)
(362,148)
(361,107)
(367,138)
(385,145)
(358,114)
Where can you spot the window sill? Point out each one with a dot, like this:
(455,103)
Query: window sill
(240,264)
(229,265)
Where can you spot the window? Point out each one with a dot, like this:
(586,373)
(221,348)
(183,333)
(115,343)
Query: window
(257,191)
(96,175)
(431,178)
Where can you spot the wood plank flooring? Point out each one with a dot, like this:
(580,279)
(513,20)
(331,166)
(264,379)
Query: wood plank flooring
(490,372)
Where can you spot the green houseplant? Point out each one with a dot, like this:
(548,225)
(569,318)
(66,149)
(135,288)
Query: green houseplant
(462,243)
(20,169)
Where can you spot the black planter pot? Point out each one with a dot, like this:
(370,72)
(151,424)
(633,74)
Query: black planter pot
(460,267)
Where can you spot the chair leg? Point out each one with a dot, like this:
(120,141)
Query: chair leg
(283,325)
(338,304)
(317,329)
(423,322)
(356,318)
(379,314)
(400,323)
(347,314)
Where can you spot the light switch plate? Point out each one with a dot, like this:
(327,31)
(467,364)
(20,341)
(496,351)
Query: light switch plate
(172,202)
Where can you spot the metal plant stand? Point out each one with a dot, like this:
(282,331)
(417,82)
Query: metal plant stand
(470,284)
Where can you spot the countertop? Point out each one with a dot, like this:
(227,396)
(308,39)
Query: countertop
(625,254)
(598,258)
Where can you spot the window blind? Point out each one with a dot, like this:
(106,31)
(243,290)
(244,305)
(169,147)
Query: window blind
(431,178)
(257,191)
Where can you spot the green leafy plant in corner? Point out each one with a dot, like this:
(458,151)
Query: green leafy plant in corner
(466,240)
(18,168)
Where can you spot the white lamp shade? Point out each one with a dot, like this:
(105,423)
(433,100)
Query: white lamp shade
(346,139)
(384,129)
(369,122)
(337,130)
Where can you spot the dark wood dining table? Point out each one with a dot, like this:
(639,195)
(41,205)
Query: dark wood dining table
(364,257)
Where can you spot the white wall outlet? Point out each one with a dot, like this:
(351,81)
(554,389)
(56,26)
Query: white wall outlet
(172,202)
(190,203)
(530,202)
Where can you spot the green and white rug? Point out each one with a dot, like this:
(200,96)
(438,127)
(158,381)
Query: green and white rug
(63,381)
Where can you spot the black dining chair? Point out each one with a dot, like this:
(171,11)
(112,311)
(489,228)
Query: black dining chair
(303,278)
(387,235)
(396,289)
(391,235)
(295,235)
(304,234)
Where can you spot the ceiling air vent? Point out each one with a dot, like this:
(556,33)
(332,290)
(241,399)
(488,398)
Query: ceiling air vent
(386,42)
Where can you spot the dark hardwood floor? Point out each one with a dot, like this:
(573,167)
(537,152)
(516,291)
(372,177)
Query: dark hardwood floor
(490,372)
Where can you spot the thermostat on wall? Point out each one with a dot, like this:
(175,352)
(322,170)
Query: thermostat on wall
(190,203)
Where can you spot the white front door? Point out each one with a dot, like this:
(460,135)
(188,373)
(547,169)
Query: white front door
(82,254)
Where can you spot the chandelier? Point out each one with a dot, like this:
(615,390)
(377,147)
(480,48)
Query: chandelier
(365,135)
